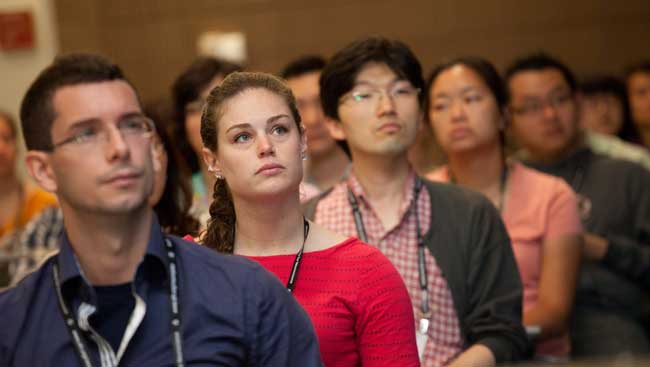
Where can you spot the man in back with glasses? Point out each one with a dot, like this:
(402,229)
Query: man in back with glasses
(612,298)
(119,291)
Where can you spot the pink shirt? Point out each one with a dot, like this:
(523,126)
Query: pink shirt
(537,207)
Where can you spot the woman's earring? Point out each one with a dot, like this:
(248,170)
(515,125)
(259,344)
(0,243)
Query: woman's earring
(216,175)
(303,155)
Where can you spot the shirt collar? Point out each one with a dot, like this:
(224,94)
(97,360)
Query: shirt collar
(355,186)
(154,266)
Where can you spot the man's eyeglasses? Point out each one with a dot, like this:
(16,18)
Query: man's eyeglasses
(536,107)
(95,133)
(372,96)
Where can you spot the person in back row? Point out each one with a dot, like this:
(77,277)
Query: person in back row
(189,91)
(605,118)
(448,243)
(120,291)
(356,299)
(20,201)
(614,202)
(637,78)
(326,163)
(466,105)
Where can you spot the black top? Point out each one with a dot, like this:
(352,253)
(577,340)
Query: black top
(115,304)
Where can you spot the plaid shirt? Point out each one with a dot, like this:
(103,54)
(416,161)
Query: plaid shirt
(399,244)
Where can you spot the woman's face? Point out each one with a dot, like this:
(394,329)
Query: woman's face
(259,146)
(463,112)
(7,149)
(193,116)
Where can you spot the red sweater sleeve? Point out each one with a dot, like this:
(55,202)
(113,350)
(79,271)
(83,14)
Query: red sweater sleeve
(385,326)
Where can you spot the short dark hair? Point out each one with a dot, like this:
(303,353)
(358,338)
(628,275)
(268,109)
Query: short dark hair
(485,70)
(187,88)
(603,84)
(339,75)
(537,62)
(303,65)
(37,112)
(642,66)
(4,115)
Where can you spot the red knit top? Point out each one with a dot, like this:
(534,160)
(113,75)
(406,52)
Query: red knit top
(357,302)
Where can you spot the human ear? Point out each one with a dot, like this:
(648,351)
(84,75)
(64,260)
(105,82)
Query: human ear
(335,128)
(303,144)
(39,168)
(212,162)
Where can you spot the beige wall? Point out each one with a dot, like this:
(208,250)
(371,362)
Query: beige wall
(18,68)
(154,39)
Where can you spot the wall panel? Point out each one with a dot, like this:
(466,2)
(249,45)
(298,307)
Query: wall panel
(154,39)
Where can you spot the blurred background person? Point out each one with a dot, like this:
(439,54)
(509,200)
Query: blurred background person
(604,107)
(465,105)
(19,200)
(614,202)
(326,162)
(356,299)
(605,119)
(637,79)
(189,91)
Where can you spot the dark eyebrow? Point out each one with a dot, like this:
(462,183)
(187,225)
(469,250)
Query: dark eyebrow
(270,120)
(95,120)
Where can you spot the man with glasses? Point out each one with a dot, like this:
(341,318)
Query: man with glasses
(119,291)
(449,244)
(612,295)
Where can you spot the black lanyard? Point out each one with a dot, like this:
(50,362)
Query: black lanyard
(291,283)
(175,320)
(422,269)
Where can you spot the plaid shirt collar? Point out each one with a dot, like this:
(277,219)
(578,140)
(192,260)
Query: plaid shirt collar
(409,188)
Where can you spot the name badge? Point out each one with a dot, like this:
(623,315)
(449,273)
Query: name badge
(421,336)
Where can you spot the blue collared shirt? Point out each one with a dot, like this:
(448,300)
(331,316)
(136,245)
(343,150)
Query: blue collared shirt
(233,312)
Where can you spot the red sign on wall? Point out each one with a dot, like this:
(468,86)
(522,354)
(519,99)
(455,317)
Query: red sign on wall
(16,30)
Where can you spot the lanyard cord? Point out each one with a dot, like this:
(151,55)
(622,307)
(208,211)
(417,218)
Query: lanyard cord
(76,332)
(422,269)
(291,283)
